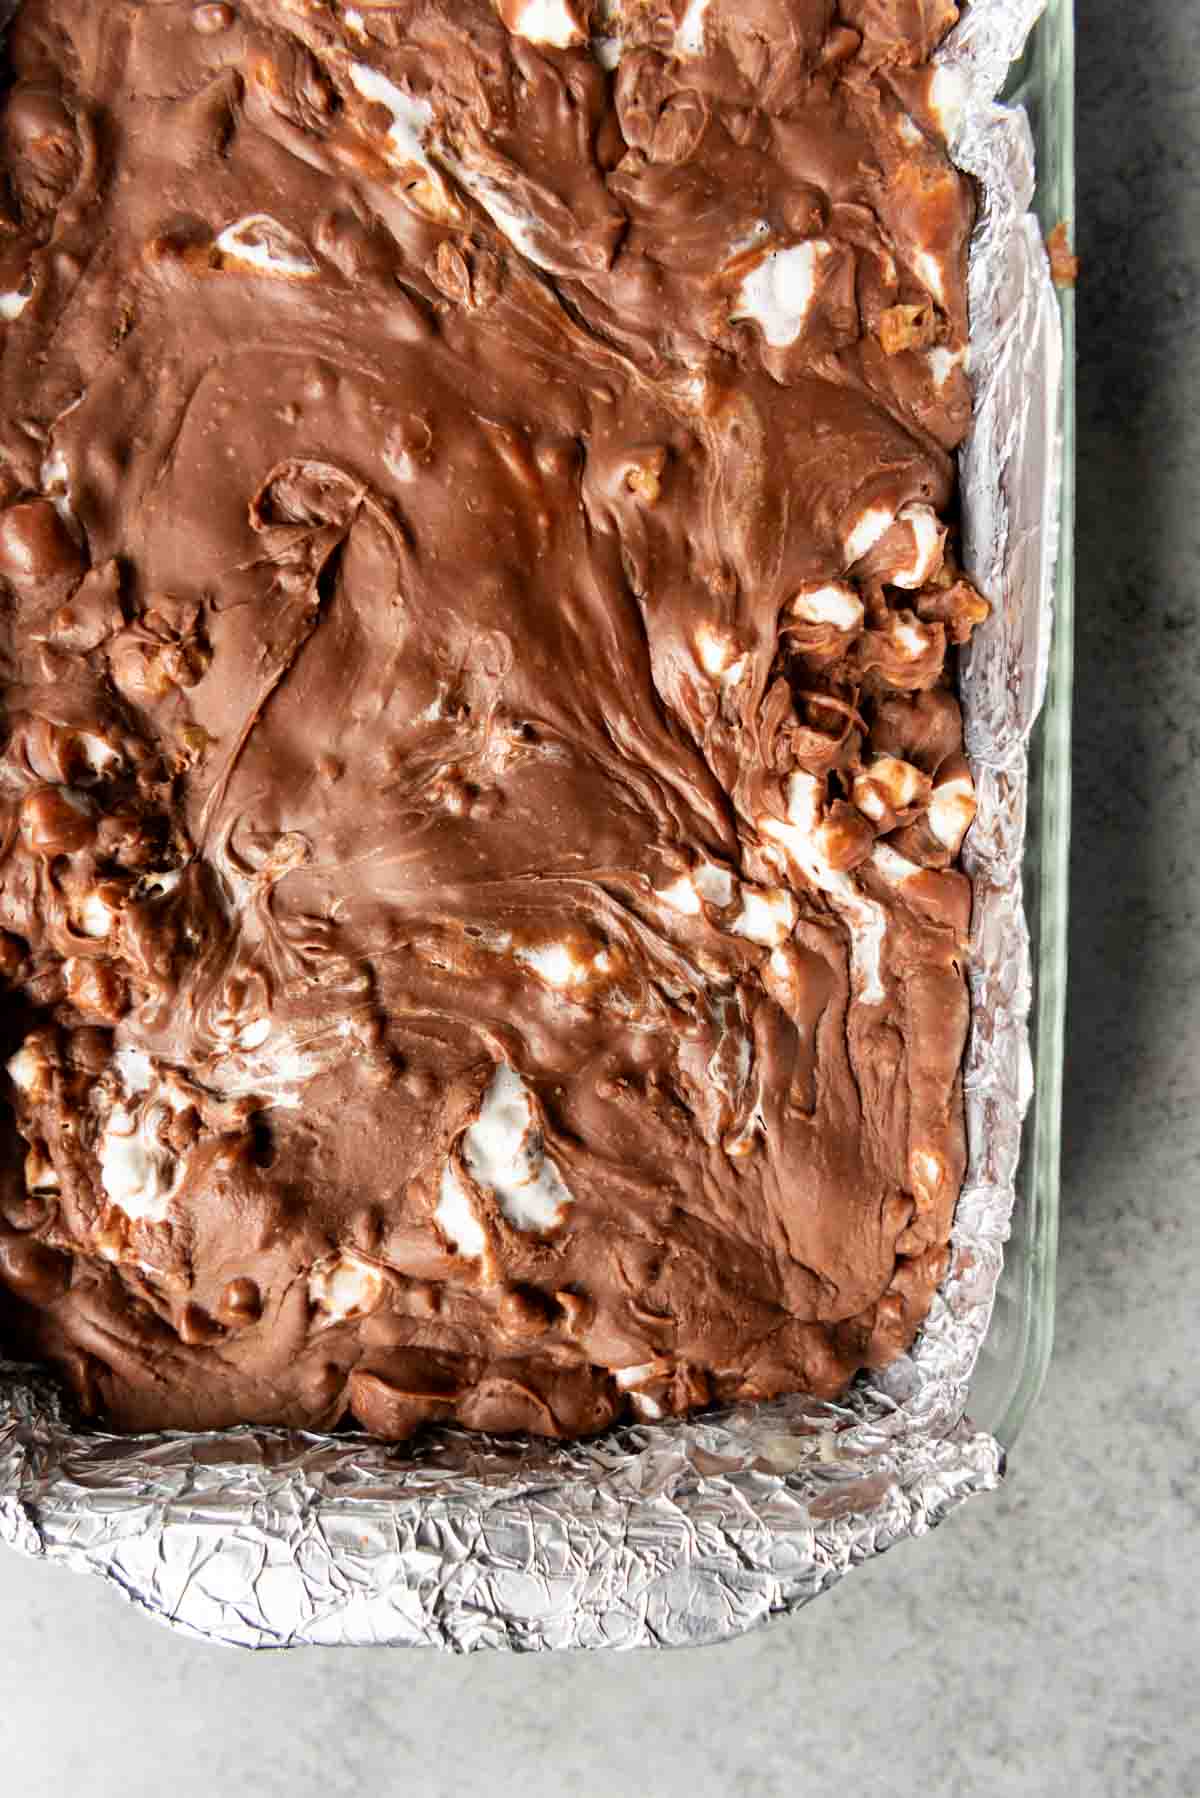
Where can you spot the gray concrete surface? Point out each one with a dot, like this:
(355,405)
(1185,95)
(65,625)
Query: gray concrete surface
(1045,1640)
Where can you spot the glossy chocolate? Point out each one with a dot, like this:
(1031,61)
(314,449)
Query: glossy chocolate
(482,777)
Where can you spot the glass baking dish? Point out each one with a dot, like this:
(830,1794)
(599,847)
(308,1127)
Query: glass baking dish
(264,1539)
(1012,1364)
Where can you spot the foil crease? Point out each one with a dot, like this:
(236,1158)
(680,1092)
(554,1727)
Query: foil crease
(695,1530)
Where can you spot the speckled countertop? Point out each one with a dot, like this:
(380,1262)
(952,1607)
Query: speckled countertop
(1044,1641)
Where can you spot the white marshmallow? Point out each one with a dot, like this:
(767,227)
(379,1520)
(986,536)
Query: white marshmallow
(25,1069)
(13,304)
(410,117)
(260,242)
(713,883)
(947,99)
(625,1377)
(682,896)
(135,1070)
(138,1174)
(95,917)
(689,38)
(502,213)
(778,293)
(455,1216)
(347,1287)
(894,867)
(502,1152)
(952,811)
(929,272)
(911,637)
(942,363)
(547,22)
(767,916)
(866,921)
(866,532)
(555,963)
(832,602)
(928,538)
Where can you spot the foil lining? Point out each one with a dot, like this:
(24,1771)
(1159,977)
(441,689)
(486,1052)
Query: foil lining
(695,1530)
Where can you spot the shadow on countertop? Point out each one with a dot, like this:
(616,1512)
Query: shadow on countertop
(1133,1038)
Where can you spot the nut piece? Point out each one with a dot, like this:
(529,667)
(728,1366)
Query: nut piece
(95,989)
(56,821)
(12,955)
(1064,267)
(643,476)
(906,653)
(240,1303)
(197,1329)
(959,606)
(32,1270)
(844,838)
(889,791)
(907,328)
(36,546)
(210,19)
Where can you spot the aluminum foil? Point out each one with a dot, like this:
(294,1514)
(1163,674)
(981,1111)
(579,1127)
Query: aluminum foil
(694,1530)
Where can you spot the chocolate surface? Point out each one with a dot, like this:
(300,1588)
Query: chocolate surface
(482,774)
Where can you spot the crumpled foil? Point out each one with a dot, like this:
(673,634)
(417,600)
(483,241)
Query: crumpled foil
(694,1530)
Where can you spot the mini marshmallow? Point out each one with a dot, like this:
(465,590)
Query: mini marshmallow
(718,656)
(13,304)
(502,1151)
(261,243)
(100,755)
(767,917)
(681,896)
(345,1288)
(27,1069)
(927,1173)
(942,363)
(95,916)
(713,883)
(704,882)
(866,532)
(40,1173)
(947,98)
(928,271)
(543,22)
(778,293)
(894,867)
(137,1173)
(928,540)
(689,38)
(410,118)
(866,921)
(626,1377)
(455,1217)
(888,781)
(828,602)
(503,214)
(135,1070)
(912,637)
(555,963)
(952,811)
